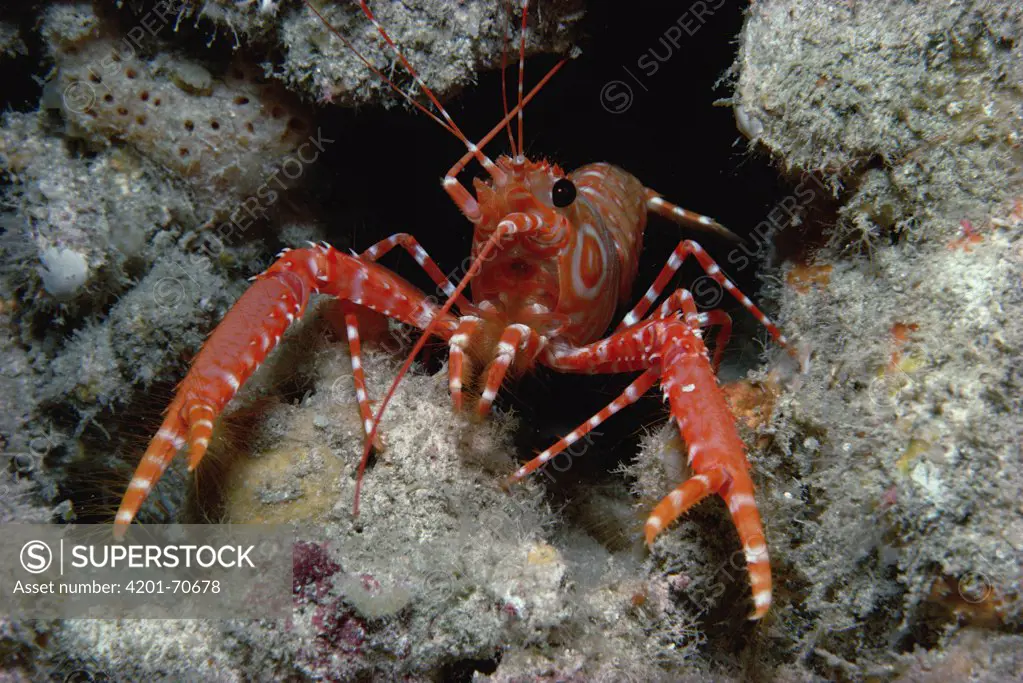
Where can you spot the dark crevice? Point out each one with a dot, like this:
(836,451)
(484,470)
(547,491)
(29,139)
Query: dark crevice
(463,671)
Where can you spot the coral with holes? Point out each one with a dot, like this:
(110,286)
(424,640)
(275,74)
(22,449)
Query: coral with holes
(107,288)
(225,134)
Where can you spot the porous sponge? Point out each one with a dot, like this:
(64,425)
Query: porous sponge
(226,136)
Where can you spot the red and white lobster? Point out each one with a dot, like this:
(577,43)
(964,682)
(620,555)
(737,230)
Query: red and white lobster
(553,255)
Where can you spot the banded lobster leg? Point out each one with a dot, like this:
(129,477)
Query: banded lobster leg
(250,331)
(675,261)
(680,301)
(670,349)
(514,338)
(657,204)
(377,251)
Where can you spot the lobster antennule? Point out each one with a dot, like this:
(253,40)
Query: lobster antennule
(486,139)
(522,74)
(362,58)
(473,149)
(504,80)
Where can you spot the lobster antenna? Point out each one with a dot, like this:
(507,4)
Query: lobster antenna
(347,43)
(504,76)
(474,150)
(488,138)
(522,74)
(448,123)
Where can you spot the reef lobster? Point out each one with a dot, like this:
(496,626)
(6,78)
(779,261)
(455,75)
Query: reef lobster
(553,255)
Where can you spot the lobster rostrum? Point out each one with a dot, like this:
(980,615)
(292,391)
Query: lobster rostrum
(553,256)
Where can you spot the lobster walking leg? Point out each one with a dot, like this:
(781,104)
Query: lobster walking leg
(655,203)
(724,323)
(375,252)
(632,393)
(506,348)
(358,374)
(682,300)
(679,300)
(250,331)
(675,261)
(512,339)
(467,326)
(416,251)
(675,350)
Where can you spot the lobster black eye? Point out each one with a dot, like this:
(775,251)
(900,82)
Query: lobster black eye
(563,193)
